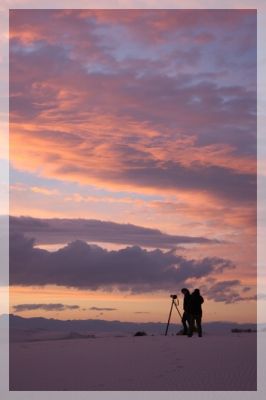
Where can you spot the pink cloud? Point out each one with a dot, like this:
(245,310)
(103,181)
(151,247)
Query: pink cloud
(141,122)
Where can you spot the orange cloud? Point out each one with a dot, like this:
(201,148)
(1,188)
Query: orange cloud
(79,113)
(43,190)
(101,152)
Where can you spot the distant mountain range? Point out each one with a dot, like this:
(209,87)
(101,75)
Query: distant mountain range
(92,326)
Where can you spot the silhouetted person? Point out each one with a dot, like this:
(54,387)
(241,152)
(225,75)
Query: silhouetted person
(195,309)
(186,311)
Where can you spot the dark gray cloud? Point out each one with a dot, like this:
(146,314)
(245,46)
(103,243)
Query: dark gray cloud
(45,307)
(86,266)
(48,231)
(102,309)
(227,291)
(223,182)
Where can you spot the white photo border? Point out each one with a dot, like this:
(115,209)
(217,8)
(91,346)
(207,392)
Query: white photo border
(5,6)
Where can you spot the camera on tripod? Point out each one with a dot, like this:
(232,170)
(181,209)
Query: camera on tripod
(175,303)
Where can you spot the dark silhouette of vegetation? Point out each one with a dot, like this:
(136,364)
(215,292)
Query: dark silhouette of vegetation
(140,333)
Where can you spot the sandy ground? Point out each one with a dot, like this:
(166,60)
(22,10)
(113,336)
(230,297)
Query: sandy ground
(225,362)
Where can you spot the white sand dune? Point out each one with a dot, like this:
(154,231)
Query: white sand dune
(154,363)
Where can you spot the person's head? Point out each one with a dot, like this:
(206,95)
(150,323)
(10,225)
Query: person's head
(185,291)
(197,292)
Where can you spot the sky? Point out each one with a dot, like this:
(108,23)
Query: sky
(133,162)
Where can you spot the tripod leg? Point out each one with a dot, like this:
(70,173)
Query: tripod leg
(169,318)
(178,311)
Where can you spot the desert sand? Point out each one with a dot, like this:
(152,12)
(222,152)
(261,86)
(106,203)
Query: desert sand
(128,363)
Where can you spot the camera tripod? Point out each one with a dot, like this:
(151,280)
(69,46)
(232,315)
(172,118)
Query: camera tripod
(175,303)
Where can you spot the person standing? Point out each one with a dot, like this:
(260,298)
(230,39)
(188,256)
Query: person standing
(186,311)
(196,300)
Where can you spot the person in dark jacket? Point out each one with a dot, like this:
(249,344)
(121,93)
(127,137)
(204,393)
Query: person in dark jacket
(186,312)
(195,310)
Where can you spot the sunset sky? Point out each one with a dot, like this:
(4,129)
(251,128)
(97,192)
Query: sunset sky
(133,162)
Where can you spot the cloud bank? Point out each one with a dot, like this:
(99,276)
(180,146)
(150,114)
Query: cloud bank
(84,266)
(132,269)
(55,230)
(45,307)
